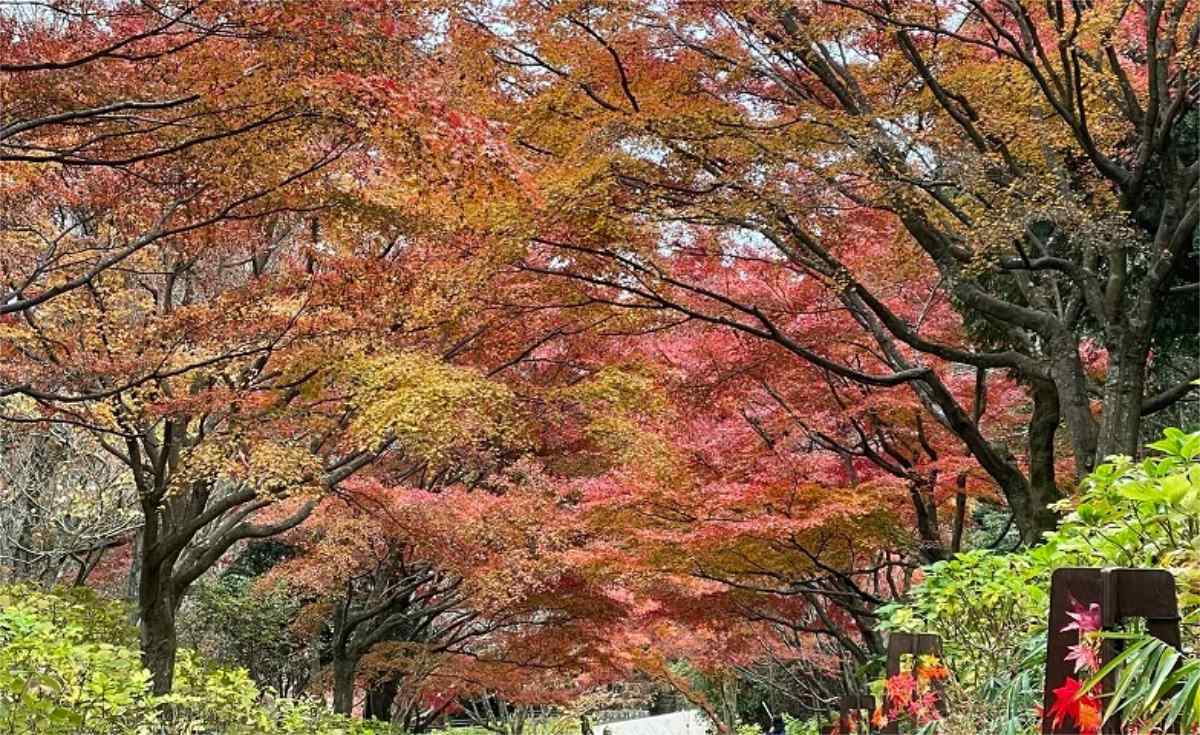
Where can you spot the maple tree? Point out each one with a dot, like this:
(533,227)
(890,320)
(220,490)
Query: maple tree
(246,437)
(1034,161)
(432,596)
(127,125)
(363,568)
(461,583)
(550,584)
(236,334)
(763,508)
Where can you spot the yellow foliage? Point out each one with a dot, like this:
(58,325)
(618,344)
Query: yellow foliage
(428,407)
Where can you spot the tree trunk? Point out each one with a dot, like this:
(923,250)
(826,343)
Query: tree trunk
(1043,485)
(157,609)
(134,581)
(1124,386)
(379,700)
(995,459)
(344,670)
(728,702)
(932,548)
(1074,402)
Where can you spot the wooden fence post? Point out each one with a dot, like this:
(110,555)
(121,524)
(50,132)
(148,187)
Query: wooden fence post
(861,705)
(1122,594)
(914,644)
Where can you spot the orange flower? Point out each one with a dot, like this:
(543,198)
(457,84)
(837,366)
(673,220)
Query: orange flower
(936,673)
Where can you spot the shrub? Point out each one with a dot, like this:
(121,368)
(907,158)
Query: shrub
(990,611)
(1147,513)
(231,623)
(66,666)
(1141,514)
(69,666)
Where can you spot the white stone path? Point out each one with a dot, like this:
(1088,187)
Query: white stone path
(689,722)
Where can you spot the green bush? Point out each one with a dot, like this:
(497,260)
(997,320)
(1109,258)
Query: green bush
(232,624)
(69,665)
(1140,514)
(794,726)
(983,605)
(1148,514)
(990,611)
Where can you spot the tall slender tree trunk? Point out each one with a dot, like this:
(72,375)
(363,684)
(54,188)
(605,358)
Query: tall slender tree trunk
(1043,484)
(134,581)
(1074,402)
(345,668)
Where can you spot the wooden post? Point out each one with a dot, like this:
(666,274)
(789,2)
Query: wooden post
(914,644)
(860,704)
(1121,594)
(899,645)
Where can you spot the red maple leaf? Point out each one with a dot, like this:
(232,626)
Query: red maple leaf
(1071,701)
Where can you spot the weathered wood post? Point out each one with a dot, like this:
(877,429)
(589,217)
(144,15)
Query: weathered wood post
(912,644)
(860,705)
(1122,594)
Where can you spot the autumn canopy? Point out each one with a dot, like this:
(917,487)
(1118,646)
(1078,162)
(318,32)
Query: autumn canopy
(398,364)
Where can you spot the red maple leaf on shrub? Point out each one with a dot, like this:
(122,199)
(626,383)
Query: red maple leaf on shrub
(900,690)
(1072,702)
(1085,655)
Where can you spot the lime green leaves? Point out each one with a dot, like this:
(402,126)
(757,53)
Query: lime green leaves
(1137,513)
(69,665)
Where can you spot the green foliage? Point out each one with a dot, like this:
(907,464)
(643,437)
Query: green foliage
(990,610)
(231,624)
(1143,513)
(65,666)
(1140,514)
(1148,514)
(259,557)
(791,726)
(985,606)
(1155,686)
(69,666)
(811,726)
(992,528)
